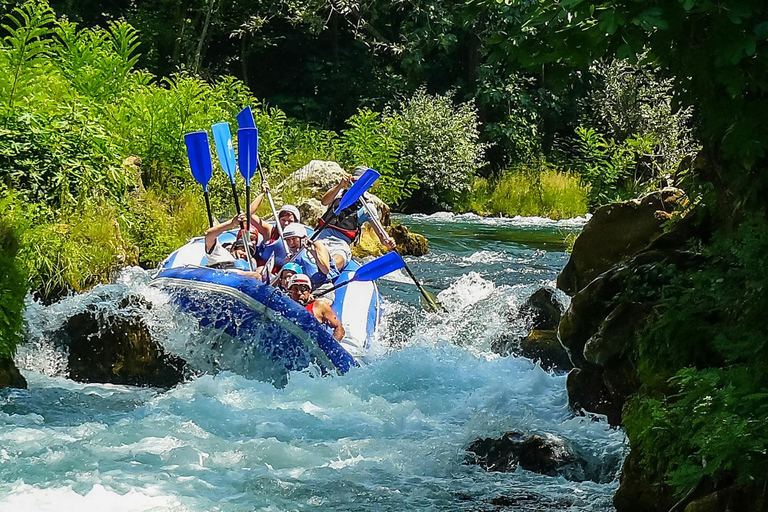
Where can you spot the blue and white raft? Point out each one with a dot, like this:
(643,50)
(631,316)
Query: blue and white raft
(264,319)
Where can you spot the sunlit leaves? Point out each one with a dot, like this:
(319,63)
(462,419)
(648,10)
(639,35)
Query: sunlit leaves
(28,41)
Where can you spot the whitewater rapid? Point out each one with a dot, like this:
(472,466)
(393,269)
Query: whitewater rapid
(391,435)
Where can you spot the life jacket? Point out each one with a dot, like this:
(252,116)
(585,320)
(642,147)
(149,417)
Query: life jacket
(346,221)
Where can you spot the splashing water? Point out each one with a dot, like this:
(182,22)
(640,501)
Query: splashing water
(390,435)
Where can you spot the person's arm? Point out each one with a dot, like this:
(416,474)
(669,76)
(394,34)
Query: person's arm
(263,227)
(213,233)
(329,318)
(320,252)
(372,215)
(332,193)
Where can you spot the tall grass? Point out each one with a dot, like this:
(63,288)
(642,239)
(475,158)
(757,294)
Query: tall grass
(548,193)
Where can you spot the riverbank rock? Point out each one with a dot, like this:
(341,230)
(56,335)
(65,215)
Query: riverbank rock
(542,309)
(542,346)
(408,242)
(312,181)
(616,232)
(637,494)
(10,377)
(544,454)
(108,347)
(541,314)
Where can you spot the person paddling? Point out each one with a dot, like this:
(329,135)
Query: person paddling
(314,260)
(299,288)
(343,229)
(225,256)
(288,214)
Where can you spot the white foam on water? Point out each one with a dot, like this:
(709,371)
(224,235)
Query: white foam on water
(516,221)
(56,499)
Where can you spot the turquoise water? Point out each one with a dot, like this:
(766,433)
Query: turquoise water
(387,436)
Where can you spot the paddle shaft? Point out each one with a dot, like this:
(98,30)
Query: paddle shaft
(375,220)
(208,208)
(272,205)
(246,231)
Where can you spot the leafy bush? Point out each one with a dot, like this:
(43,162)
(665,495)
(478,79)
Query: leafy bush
(703,367)
(63,252)
(439,145)
(13,287)
(59,158)
(375,142)
(631,140)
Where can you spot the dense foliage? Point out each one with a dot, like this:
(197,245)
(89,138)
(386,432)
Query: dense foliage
(13,288)
(704,406)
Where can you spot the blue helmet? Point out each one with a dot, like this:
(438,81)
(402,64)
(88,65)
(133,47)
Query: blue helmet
(292,267)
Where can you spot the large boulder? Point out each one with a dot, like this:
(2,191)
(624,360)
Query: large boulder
(545,454)
(615,233)
(312,181)
(10,377)
(542,309)
(540,314)
(407,241)
(115,348)
(637,493)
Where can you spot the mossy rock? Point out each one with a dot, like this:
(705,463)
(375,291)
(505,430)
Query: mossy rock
(408,243)
(544,347)
(615,233)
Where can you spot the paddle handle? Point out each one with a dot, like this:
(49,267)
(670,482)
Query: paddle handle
(334,288)
(272,204)
(246,231)
(234,194)
(248,205)
(208,208)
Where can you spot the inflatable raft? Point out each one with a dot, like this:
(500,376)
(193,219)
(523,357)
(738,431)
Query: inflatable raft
(265,319)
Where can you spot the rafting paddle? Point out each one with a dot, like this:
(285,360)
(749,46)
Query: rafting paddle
(428,299)
(247,154)
(245,120)
(372,270)
(226,153)
(199,154)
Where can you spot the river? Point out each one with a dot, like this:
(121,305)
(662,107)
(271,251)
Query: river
(389,436)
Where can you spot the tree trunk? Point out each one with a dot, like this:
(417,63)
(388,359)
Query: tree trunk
(203,33)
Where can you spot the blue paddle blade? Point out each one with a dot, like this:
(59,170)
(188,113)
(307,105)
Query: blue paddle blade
(379,267)
(199,154)
(357,190)
(245,118)
(224,149)
(247,151)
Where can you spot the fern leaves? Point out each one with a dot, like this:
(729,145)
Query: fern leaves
(29,39)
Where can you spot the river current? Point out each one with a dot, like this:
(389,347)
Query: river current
(388,436)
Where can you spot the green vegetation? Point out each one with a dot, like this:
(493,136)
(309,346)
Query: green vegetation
(546,192)
(699,418)
(13,288)
(704,407)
